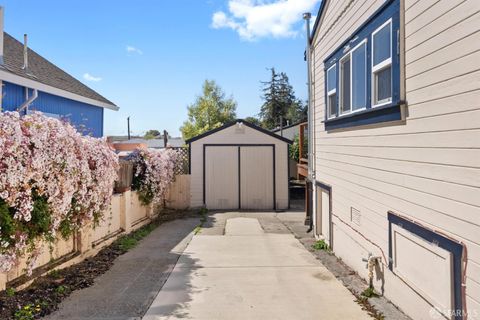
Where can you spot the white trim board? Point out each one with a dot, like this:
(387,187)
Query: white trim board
(32,84)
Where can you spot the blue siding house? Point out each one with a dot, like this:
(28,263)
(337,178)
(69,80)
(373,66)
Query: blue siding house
(29,83)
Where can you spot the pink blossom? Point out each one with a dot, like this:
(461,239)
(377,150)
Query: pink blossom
(49,157)
(155,170)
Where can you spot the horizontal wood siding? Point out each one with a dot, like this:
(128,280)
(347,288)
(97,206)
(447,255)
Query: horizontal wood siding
(86,118)
(427,168)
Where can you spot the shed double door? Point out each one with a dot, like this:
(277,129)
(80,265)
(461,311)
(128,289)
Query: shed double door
(239,177)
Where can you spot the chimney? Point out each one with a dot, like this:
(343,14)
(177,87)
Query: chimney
(1,35)
(25,52)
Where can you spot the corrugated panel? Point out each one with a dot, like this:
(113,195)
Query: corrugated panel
(13,96)
(86,118)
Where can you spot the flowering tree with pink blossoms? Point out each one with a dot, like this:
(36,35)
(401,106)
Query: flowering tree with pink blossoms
(52,180)
(154,172)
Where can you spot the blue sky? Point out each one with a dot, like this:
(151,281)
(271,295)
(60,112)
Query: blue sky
(151,57)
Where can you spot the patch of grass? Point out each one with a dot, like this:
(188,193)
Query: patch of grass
(369,292)
(131,240)
(321,245)
(10,292)
(127,242)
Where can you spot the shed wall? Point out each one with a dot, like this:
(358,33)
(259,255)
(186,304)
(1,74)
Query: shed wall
(428,168)
(231,136)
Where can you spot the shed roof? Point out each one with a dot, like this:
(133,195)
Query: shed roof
(248,124)
(43,71)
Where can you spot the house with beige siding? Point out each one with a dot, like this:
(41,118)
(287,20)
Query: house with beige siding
(396,99)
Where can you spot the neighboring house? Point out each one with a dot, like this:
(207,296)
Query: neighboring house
(396,97)
(124,147)
(289,131)
(31,83)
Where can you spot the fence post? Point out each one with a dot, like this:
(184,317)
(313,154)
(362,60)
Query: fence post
(126,211)
(3,281)
(84,237)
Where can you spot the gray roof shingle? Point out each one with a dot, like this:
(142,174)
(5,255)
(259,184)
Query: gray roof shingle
(42,70)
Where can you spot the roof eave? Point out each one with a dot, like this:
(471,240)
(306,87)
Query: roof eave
(248,124)
(8,76)
(317,21)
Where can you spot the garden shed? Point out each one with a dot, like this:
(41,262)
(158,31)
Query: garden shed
(239,166)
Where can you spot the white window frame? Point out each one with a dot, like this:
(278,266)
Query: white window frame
(382,65)
(340,84)
(350,54)
(331,92)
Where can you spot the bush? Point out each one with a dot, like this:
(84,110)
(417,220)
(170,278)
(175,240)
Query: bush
(154,171)
(51,179)
(295,148)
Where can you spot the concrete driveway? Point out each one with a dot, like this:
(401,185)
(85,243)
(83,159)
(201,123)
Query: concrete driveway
(250,266)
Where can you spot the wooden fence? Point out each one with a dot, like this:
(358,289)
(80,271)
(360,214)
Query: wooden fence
(124,215)
(125,176)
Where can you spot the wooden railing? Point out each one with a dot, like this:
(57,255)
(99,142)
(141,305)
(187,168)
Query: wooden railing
(302,166)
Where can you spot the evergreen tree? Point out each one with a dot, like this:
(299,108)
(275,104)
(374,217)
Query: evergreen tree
(280,104)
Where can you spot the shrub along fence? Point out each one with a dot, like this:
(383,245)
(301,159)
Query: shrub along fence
(56,202)
(125,213)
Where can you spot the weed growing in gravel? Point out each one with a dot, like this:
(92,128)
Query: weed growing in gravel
(61,289)
(369,292)
(321,245)
(29,311)
(203,218)
(54,273)
(10,292)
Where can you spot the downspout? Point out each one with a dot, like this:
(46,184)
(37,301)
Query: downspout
(311,173)
(29,101)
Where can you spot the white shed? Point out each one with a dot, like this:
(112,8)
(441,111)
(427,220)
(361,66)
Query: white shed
(239,166)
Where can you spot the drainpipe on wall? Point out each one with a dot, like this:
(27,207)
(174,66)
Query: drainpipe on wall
(311,173)
(29,101)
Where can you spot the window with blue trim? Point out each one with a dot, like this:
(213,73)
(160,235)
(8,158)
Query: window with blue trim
(363,75)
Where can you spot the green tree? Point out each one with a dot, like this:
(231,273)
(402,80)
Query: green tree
(271,109)
(152,134)
(209,111)
(280,105)
(254,120)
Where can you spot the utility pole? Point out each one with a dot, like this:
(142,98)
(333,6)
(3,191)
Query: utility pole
(128,127)
(165,138)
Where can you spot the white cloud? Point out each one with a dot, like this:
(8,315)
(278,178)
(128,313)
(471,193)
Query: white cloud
(254,19)
(131,50)
(87,76)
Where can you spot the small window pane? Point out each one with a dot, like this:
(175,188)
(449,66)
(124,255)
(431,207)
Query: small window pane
(383,85)
(359,89)
(332,79)
(332,104)
(345,91)
(381,45)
